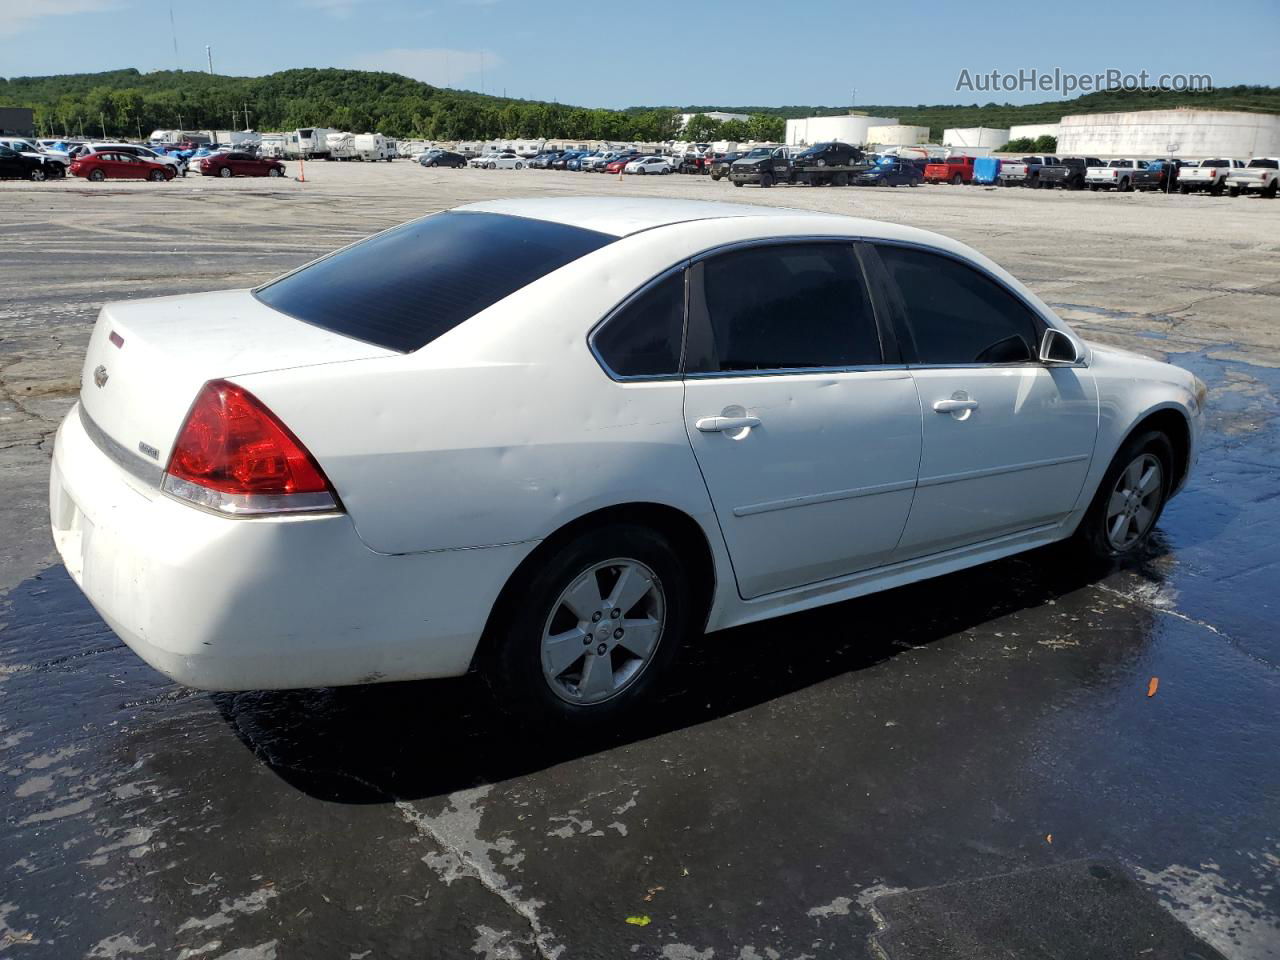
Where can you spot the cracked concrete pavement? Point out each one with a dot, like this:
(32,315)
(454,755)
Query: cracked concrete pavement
(799,771)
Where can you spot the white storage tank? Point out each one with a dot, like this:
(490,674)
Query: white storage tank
(897,135)
(967,137)
(1186,133)
(851,129)
(1030,131)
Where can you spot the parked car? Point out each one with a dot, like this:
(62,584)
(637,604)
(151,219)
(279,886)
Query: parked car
(617,164)
(954,170)
(830,154)
(1162,175)
(240,165)
(442,158)
(1210,175)
(647,165)
(562,162)
(583,162)
(1024,172)
(1119,175)
(54,164)
(505,160)
(109,165)
(286,435)
(719,167)
(22,166)
(891,172)
(1068,172)
(544,160)
(177,162)
(1260,176)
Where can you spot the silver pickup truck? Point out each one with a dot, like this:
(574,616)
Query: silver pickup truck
(1119,175)
(1262,175)
(1024,172)
(1210,175)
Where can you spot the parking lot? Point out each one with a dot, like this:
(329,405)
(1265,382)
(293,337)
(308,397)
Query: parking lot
(984,757)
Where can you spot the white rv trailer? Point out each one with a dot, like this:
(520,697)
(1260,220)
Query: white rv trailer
(341,146)
(373,146)
(272,145)
(311,143)
(236,139)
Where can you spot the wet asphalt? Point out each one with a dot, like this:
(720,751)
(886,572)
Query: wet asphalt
(1025,759)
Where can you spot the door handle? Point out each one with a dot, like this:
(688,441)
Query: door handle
(722,424)
(953,406)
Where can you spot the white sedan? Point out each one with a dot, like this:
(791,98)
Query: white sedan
(498,161)
(649,165)
(555,440)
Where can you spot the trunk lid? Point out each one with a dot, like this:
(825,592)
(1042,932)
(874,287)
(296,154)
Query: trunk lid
(147,359)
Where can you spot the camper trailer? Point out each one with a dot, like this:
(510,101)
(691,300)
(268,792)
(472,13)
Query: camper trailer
(237,139)
(272,145)
(373,146)
(310,143)
(341,146)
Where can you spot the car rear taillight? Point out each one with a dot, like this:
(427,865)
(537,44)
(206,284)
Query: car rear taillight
(234,456)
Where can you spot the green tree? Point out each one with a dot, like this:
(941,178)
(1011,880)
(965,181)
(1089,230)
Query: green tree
(766,128)
(701,128)
(1046,143)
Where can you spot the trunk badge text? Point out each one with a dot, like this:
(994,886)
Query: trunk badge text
(100,375)
(149,450)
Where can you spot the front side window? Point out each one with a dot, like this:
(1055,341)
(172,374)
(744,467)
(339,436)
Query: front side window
(783,307)
(643,338)
(955,314)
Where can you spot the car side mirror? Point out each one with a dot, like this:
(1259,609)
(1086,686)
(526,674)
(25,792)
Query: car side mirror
(1057,348)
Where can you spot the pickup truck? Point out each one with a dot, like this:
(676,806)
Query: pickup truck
(1067,173)
(1024,172)
(1261,175)
(1208,175)
(955,170)
(1119,175)
(813,167)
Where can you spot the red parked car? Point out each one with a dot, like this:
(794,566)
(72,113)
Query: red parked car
(955,170)
(615,166)
(240,165)
(119,166)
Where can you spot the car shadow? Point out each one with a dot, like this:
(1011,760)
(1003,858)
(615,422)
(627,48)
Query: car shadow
(406,741)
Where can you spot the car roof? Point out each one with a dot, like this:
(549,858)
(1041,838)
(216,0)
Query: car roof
(623,216)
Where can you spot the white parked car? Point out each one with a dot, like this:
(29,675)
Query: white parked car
(498,161)
(555,440)
(649,165)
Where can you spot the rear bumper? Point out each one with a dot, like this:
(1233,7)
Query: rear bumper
(240,604)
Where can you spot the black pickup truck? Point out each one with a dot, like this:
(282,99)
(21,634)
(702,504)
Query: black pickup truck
(831,163)
(1067,173)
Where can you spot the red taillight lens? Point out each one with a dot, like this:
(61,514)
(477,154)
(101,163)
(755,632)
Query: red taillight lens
(232,455)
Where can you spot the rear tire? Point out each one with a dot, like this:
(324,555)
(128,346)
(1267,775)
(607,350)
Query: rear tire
(957,180)
(97,176)
(225,172)
(560,680)
(1184,190)
(36,174)
(1129,500)
(1269,191)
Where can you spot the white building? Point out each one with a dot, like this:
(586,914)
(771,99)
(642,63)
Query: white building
(714,115)
(1031,131)
(897,135)
(851,128)
(970,137)
(1184,133)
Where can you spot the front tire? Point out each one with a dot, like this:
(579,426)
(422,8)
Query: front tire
(766,180)
(1130,498)
(588,632)
(156,176)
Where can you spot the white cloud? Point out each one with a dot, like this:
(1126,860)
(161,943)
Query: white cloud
(437,66)
(16,16)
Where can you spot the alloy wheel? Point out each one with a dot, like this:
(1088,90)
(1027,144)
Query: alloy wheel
(603,631)
(1134,502)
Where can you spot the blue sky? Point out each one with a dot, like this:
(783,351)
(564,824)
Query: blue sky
(697,51)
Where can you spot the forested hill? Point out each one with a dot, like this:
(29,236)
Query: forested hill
(132,104)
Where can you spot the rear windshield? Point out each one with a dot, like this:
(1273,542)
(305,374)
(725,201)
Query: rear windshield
(1262,162)
(402,288)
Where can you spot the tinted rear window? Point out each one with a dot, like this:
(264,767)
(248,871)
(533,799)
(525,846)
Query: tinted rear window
(404,287)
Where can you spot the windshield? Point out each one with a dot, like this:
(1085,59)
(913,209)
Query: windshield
(405,287)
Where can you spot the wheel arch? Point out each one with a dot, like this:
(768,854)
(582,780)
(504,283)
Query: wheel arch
(684,532)
(1174,423)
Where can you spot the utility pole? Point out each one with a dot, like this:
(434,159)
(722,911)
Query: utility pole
(208,52)
(246,116)
(102,119)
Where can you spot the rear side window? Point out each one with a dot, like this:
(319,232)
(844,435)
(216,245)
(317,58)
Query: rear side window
(785,306)
(643,338)
(955,314)
(405,287)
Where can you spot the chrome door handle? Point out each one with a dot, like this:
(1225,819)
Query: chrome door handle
(951,406)
(721,424)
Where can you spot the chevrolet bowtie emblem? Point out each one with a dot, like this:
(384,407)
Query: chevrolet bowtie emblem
(100,375)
